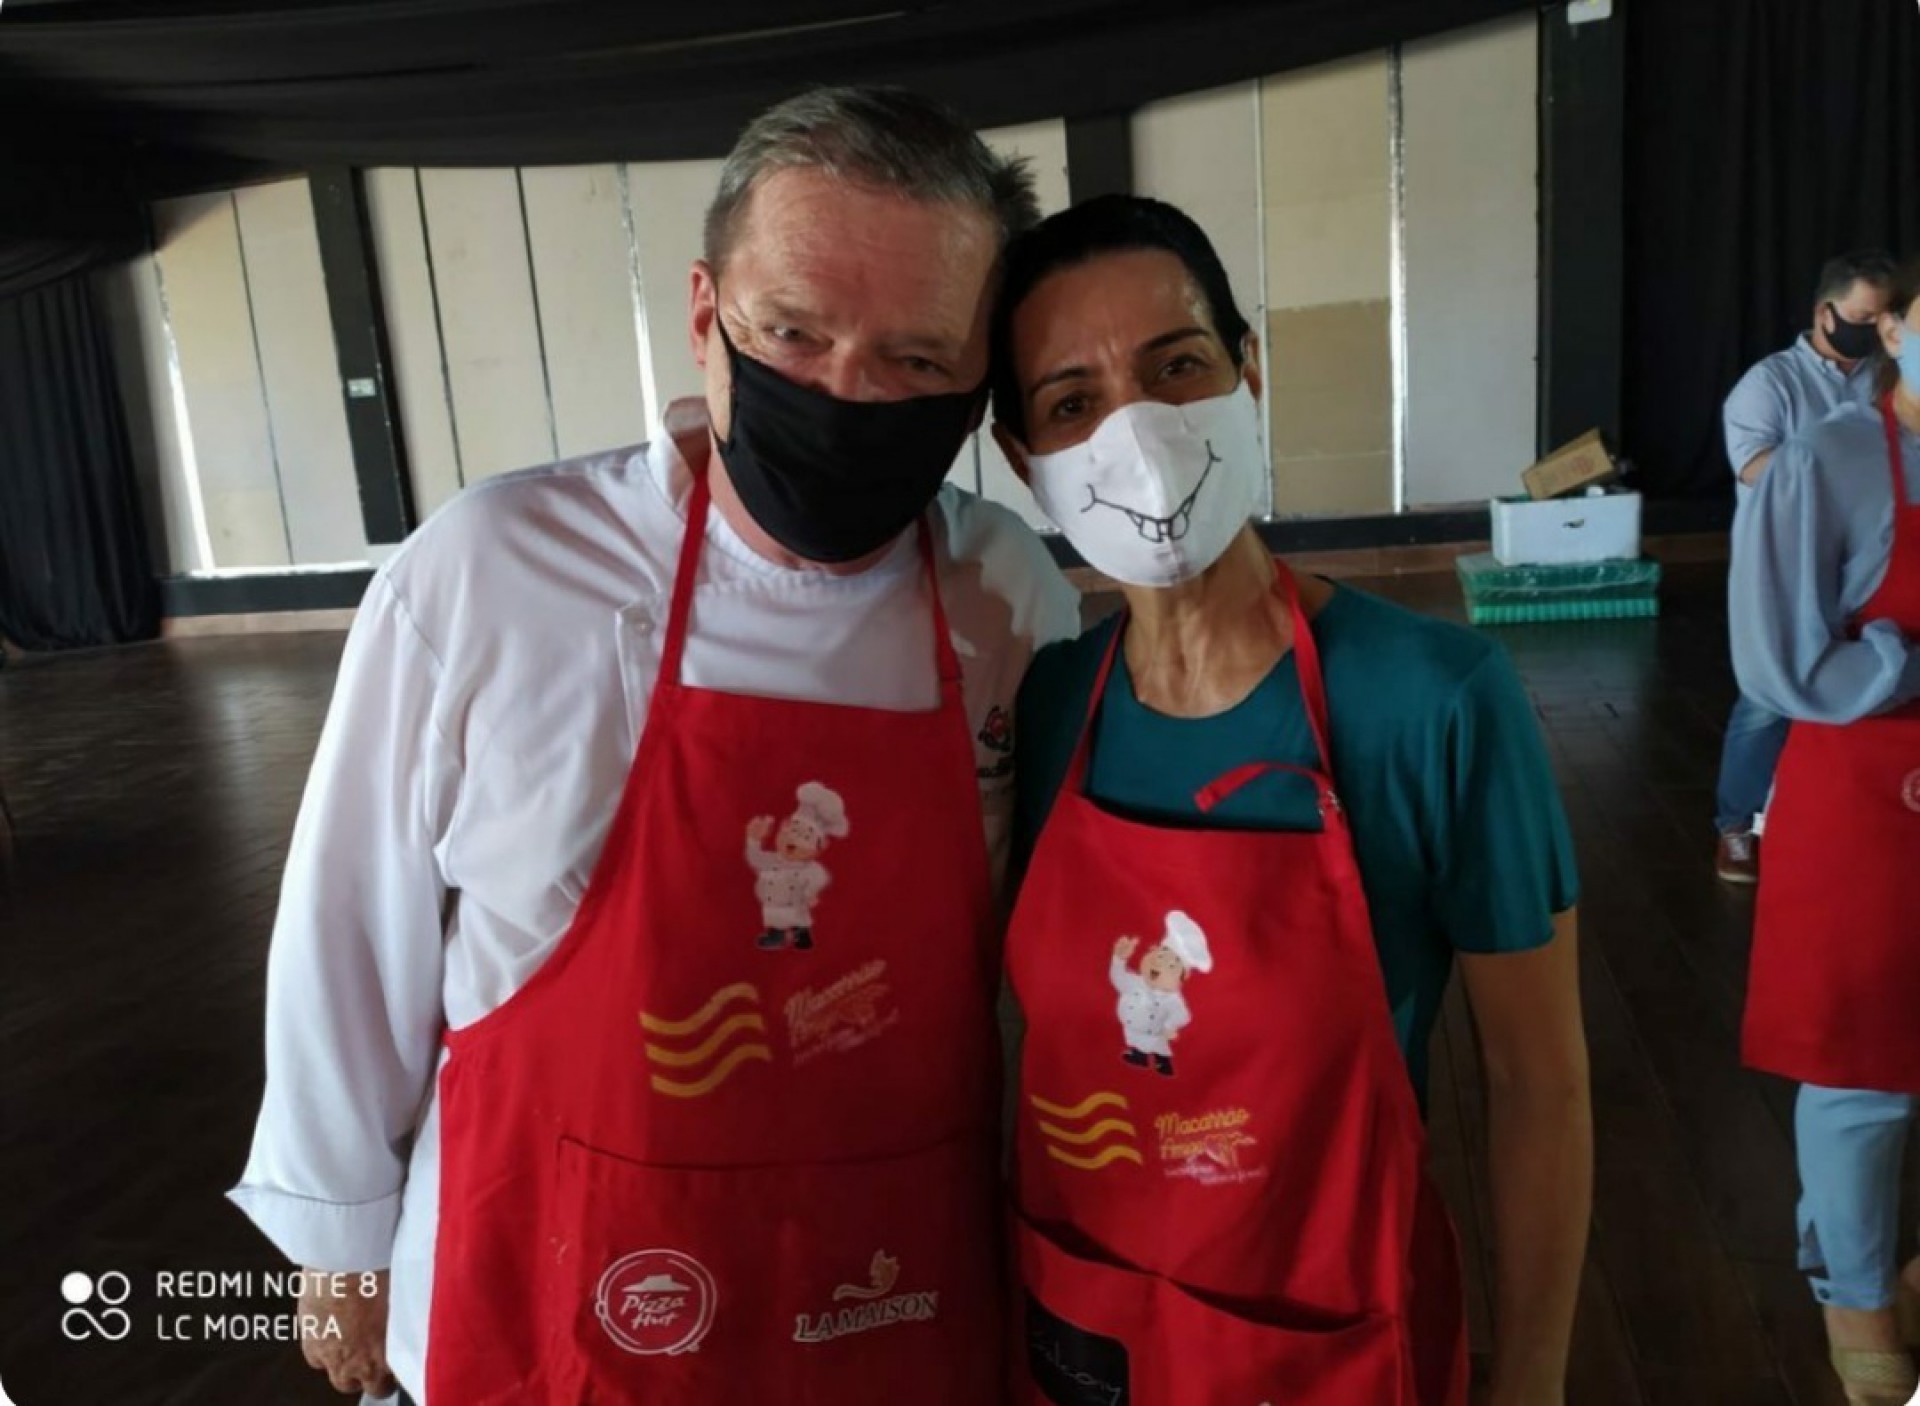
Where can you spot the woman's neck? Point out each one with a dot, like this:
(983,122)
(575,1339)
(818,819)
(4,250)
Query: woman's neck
(1198,648)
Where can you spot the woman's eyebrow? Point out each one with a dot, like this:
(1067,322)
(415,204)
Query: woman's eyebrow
(1167,339)
(1065,373)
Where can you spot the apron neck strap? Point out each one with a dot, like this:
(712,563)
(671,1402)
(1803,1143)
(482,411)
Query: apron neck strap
(698,506)
(1306,663)
(945,657)
(683,577)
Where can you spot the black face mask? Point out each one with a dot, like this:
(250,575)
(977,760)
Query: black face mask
(833,480)
(1855,341)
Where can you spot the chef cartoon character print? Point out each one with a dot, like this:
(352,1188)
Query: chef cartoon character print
(1152,1009)
(789,878)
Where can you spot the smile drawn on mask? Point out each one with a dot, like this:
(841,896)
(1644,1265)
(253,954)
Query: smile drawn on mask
(1170,528)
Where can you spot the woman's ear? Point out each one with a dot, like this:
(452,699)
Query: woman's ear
(1892,329)
(1015,451)
(1250,364)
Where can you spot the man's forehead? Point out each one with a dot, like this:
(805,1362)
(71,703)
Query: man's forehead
(900,295)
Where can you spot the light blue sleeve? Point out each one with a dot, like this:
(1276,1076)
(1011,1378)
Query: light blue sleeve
(1791,648)
(1756,417)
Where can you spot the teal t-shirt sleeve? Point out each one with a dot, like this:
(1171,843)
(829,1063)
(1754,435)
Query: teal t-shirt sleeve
(1505,857)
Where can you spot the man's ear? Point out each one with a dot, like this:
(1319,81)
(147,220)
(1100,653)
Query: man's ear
(1015,451)
(703,305)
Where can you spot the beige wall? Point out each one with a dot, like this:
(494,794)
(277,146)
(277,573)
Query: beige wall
(1327,185)
(669,200)
(577,237)
(1472,260)
(198,251)
(129,297)
(418,375)
(541,313)
(300,370)
(489,329)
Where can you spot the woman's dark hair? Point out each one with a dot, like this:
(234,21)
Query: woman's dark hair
(1902,293)
(1107,224)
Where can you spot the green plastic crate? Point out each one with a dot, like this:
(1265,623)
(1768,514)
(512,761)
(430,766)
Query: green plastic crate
(1516,595)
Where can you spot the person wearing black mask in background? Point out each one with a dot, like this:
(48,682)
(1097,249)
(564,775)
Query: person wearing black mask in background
(528,1043)
(1784,395)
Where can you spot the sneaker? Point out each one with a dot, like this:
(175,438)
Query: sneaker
(1738,861)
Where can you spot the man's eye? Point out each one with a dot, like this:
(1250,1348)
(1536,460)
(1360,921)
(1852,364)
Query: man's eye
(786,334)
(921,366)
(1180,365)
(1067,407)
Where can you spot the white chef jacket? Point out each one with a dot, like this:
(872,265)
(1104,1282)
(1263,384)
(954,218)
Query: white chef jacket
(485,716)
(786,888)
(1150,1018)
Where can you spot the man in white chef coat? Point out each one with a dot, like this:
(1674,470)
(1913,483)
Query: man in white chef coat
(498,675)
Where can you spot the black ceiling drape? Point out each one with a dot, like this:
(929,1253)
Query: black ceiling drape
(66,203)
(527,82)
(1763,136)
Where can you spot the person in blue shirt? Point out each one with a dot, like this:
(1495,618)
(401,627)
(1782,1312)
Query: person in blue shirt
(1462,846)
(1826,631)
(1785,394)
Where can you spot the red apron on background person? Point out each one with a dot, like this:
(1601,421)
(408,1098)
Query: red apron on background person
(703,1157)
(1220,1189)
(1833,997)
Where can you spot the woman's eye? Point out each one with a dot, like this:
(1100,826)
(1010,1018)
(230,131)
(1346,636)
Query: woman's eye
(786,334)
(1067,407)
(1180,365)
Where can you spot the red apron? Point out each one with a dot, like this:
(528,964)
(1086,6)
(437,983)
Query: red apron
(735,1141)
(1220,1195)
(1831,998)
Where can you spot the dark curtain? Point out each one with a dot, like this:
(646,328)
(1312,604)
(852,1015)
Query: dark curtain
(74,566)
(1763,136)
(526,82)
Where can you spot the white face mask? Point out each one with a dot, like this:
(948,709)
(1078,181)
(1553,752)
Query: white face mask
(1155,495)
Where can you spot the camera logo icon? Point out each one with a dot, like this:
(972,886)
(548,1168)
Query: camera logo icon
(96,1310)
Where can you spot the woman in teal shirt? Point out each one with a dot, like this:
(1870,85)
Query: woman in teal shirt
(1456,824)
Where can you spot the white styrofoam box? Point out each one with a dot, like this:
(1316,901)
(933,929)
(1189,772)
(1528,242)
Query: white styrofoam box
(1563,531)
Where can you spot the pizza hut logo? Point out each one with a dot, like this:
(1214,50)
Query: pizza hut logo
(656,1303)
(1910,791)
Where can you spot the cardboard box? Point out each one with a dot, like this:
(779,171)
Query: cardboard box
(1570,468)
(1566,531)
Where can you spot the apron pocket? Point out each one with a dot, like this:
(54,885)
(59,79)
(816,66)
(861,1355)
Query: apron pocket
(842,1283)
(1093,1333)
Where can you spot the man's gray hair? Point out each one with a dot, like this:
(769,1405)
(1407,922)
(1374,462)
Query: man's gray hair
(888,139)
(1839,274)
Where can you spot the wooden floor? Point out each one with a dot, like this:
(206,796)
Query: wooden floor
(155,788)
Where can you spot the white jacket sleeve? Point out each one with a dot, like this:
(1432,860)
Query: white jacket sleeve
(354,1004)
